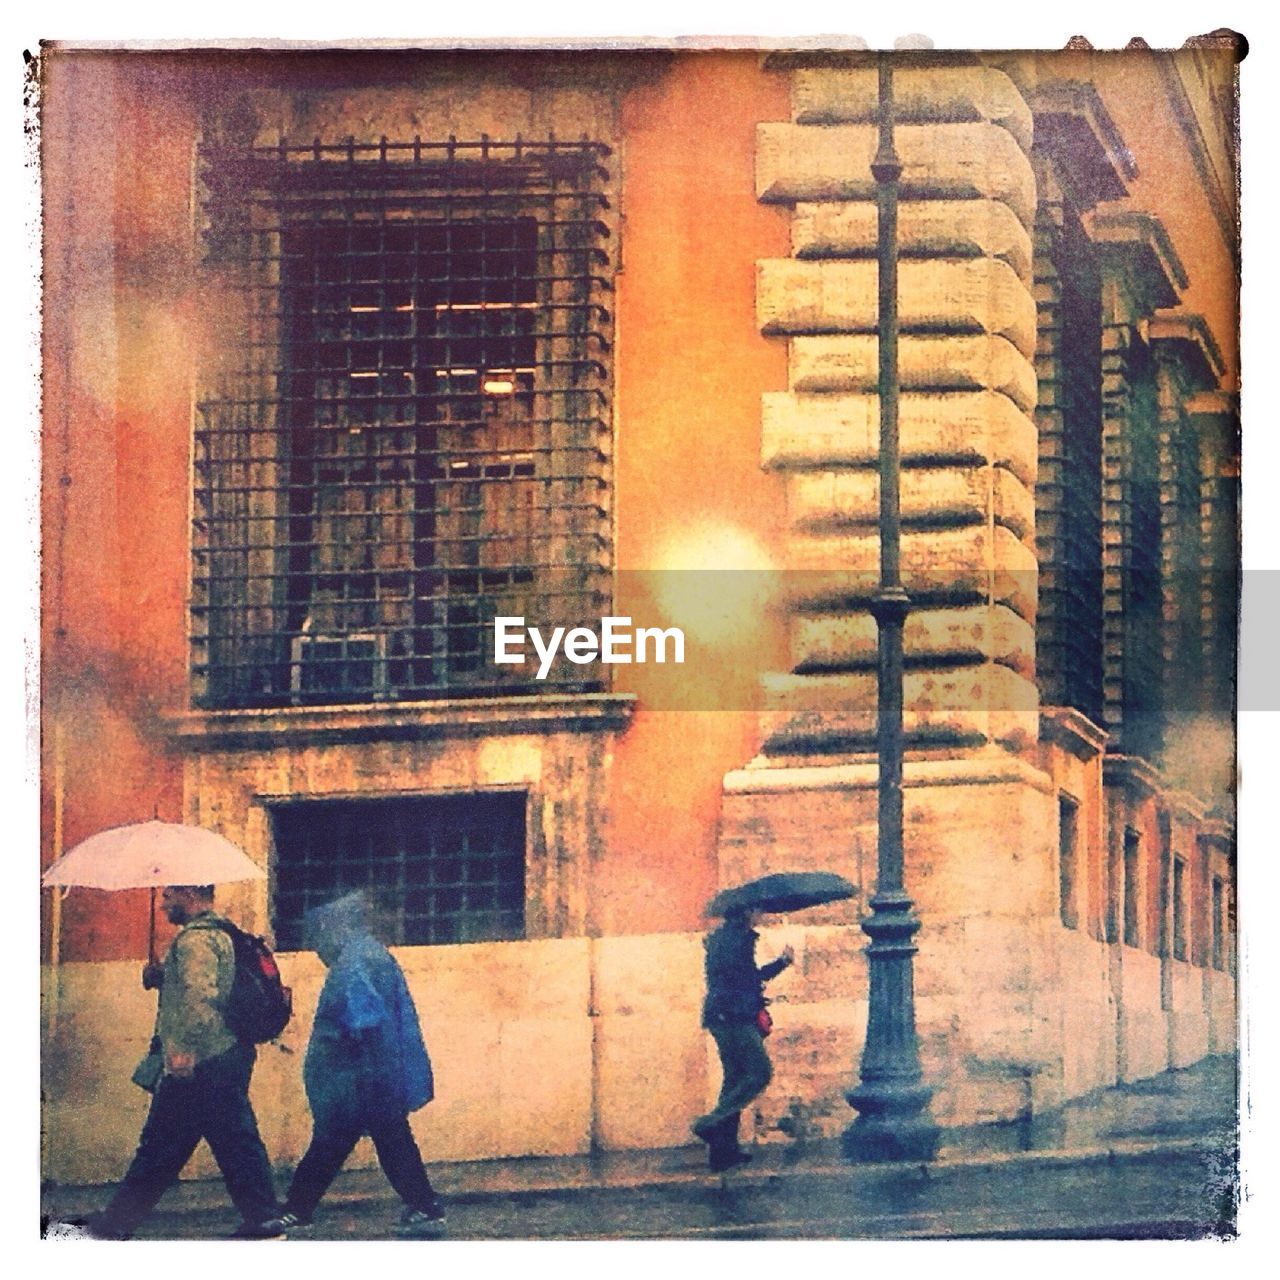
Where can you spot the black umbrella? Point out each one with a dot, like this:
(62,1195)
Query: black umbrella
(782,891)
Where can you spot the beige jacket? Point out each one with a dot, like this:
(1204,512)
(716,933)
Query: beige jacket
(198,972)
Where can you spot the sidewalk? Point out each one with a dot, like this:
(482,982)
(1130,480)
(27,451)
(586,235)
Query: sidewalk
(1191,1113)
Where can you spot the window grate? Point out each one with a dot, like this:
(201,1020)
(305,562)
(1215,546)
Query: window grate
(1132,881)
(1069,619)
(438,869)
(1142,730)
(411,434)
(1068,860)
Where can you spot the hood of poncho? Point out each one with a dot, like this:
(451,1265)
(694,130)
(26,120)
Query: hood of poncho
(331,927)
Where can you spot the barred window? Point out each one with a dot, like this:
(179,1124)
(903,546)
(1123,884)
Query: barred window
(1216,910)
(1141,731)
(437,869)
(410,431)
(1068,860)
(1132,906)
(1179,909)
(1069,619)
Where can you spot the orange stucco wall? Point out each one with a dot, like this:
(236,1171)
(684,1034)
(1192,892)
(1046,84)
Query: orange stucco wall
(117,273)
(123,320)
(690,372)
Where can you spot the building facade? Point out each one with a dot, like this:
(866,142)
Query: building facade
(348,354)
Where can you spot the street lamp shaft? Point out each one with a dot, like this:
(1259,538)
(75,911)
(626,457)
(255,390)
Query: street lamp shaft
(893,1121)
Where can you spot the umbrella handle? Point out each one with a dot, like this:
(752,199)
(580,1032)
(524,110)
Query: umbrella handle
(151,940)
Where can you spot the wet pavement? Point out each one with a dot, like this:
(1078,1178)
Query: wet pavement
(1151,1160)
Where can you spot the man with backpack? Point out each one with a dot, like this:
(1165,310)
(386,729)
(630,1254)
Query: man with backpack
(199,1074)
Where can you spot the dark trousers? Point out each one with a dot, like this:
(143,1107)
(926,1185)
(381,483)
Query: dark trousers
(333,1141)
(213,1105)
(746,1073)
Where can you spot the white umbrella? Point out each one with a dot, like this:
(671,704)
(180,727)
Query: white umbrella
(151,855)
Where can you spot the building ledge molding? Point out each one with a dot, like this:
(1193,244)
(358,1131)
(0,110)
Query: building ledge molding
(447,718)
(1134,771)
(1073,125)
(765,776)
(1141,241)
(1073,730)
(1189,334)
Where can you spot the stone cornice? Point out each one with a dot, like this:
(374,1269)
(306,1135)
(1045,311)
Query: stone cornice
(1139,243)
(1219,833)
(1132,770)
(1074,127)
(1073,730)
(982,767)
(447,718)
(1213,404)
(1189,335)
(854,53)
(1186,805)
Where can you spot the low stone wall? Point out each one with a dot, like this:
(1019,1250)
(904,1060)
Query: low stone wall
(558,1047)
(539,1048)
(1142,1038)
(1088,1014)
(1188,1021)
(1220,1004)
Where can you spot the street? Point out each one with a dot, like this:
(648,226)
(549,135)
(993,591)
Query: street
(1151,1160)
(1165,1194)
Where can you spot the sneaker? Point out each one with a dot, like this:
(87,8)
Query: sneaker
(271,1229)
(292,1224)
(65,1229)
(422,1222)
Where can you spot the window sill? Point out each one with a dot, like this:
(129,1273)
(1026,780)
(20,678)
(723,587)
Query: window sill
(450,718)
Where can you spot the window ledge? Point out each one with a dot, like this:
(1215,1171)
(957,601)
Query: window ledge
(446,718)
(1072,730)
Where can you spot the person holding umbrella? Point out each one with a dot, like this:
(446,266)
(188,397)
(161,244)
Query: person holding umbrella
(734,1010)
(198,1071)
(202,1090)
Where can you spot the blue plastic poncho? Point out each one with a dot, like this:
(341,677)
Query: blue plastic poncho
(366,1058)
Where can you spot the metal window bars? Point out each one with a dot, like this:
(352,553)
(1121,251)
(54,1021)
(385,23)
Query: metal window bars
(408,432)
(435,869)
(1069,488)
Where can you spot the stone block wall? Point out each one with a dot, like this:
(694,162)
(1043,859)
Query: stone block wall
(1220,1008)
(1142,1037)
(968,322)
(1187,1019)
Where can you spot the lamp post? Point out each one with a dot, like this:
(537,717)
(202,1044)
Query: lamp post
(892,1101)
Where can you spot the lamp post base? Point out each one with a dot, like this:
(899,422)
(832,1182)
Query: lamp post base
(894,1124)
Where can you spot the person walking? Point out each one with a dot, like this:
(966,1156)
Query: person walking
(734,1012)
(199,1074)
(366,1070)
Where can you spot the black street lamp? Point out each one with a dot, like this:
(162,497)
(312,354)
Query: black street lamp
(892,1100)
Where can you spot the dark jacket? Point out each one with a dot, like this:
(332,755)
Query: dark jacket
(735,986)
(366,1059)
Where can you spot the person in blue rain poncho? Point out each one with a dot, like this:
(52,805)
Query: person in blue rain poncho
(366,1068)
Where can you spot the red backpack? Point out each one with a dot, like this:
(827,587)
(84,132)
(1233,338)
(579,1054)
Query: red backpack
(260,1005)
